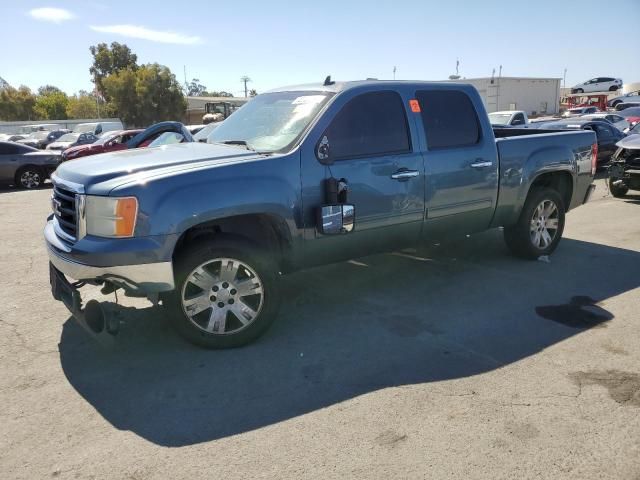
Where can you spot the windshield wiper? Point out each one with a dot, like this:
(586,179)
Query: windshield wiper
(238,142)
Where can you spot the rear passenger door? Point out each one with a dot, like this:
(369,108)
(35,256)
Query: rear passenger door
(461,165)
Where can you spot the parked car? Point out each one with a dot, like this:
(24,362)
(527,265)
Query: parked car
(627,97)
(98,128)
(43,138)
(624,106)
(607,135)
(129,139)
(151,134)
(624,172)
(25,166)
(511,118)
(12,137)
(108,142)
(598,84)
(631,115)
(616,120)
(69,140)
(576,112)
(298,177)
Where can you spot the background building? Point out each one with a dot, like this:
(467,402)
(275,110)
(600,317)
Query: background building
(536,96)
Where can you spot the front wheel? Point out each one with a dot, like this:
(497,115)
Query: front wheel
(226,294)
(540,226)
(29,178)
(619,190)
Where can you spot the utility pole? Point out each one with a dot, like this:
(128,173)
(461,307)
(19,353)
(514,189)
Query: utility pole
(245,79)
(394,72)
(564,79)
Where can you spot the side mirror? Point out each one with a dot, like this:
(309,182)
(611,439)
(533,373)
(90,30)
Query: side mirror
(336,219)
(517,122)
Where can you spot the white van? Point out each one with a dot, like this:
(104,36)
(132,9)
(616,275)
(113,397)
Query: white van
(98,128)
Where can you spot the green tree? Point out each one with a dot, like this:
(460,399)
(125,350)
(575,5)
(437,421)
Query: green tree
(146,95)
(82,105)
(221,93)
(196,89)
(108,60)
(52,106)
(48,89)
(16,103)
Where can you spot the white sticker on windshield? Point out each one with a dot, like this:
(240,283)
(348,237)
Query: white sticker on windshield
(308,99)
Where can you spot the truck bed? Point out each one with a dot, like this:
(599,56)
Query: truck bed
(524,153)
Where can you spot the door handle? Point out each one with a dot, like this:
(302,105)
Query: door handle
(479,163)
(404,174)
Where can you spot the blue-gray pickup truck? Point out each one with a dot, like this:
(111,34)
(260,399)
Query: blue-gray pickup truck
(302,176)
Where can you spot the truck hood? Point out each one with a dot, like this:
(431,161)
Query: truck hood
(141,164)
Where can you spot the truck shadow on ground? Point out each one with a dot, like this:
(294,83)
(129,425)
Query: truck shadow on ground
(347,330)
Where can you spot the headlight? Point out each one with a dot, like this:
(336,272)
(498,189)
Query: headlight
(112,217)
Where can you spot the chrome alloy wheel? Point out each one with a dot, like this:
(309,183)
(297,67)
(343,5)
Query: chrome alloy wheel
(30,179)
(544,224)
(222,296)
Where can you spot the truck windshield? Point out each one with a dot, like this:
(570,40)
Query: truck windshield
(499,118)
(271,122)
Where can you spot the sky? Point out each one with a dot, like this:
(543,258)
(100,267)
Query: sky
(278,43)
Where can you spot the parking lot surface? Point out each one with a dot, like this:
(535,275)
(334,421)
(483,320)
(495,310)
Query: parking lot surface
(453,361)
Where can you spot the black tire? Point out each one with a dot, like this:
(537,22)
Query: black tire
(223,247)
(615,103)
(29,178)
(613,89)
(518,237)
(617,191)
(577,90)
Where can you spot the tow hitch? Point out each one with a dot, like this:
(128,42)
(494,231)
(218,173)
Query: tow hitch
(94,319)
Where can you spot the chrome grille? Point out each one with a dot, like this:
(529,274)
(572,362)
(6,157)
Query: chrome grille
(63,202)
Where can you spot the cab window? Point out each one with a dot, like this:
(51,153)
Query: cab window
(369,125)
(449,119)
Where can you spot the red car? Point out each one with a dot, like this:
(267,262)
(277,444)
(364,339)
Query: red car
(631,115)
(109,142)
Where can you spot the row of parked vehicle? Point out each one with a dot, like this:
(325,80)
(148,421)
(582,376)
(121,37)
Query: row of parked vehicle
(27,162)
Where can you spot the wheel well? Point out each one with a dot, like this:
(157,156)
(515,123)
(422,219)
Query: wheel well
(268,232)
(561,182)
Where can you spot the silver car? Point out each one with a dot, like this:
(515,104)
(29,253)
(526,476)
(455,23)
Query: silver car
(25,166)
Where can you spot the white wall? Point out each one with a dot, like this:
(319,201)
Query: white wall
(528,94)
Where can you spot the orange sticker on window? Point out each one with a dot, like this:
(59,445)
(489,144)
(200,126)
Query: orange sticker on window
(415,106)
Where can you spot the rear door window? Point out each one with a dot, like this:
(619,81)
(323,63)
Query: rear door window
(369,125)
(449,119)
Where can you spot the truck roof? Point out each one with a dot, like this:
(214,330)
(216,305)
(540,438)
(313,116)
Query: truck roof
(339,86)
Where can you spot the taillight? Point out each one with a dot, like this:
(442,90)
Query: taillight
(594,158)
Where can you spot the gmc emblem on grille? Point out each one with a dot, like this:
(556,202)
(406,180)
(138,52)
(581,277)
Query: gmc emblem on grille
(56,206)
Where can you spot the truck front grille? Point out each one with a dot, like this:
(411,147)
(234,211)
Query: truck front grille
(64,209)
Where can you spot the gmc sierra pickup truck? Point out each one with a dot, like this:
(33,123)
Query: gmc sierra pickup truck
(302,176)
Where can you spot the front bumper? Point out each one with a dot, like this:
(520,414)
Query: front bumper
(145,278)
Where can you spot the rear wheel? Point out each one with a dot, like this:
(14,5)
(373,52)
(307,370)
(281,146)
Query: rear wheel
(613,88)
(619,190)
(226,293)
(578,90)
(540,226)
(29,178)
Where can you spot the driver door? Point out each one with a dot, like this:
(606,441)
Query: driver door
(371,149)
